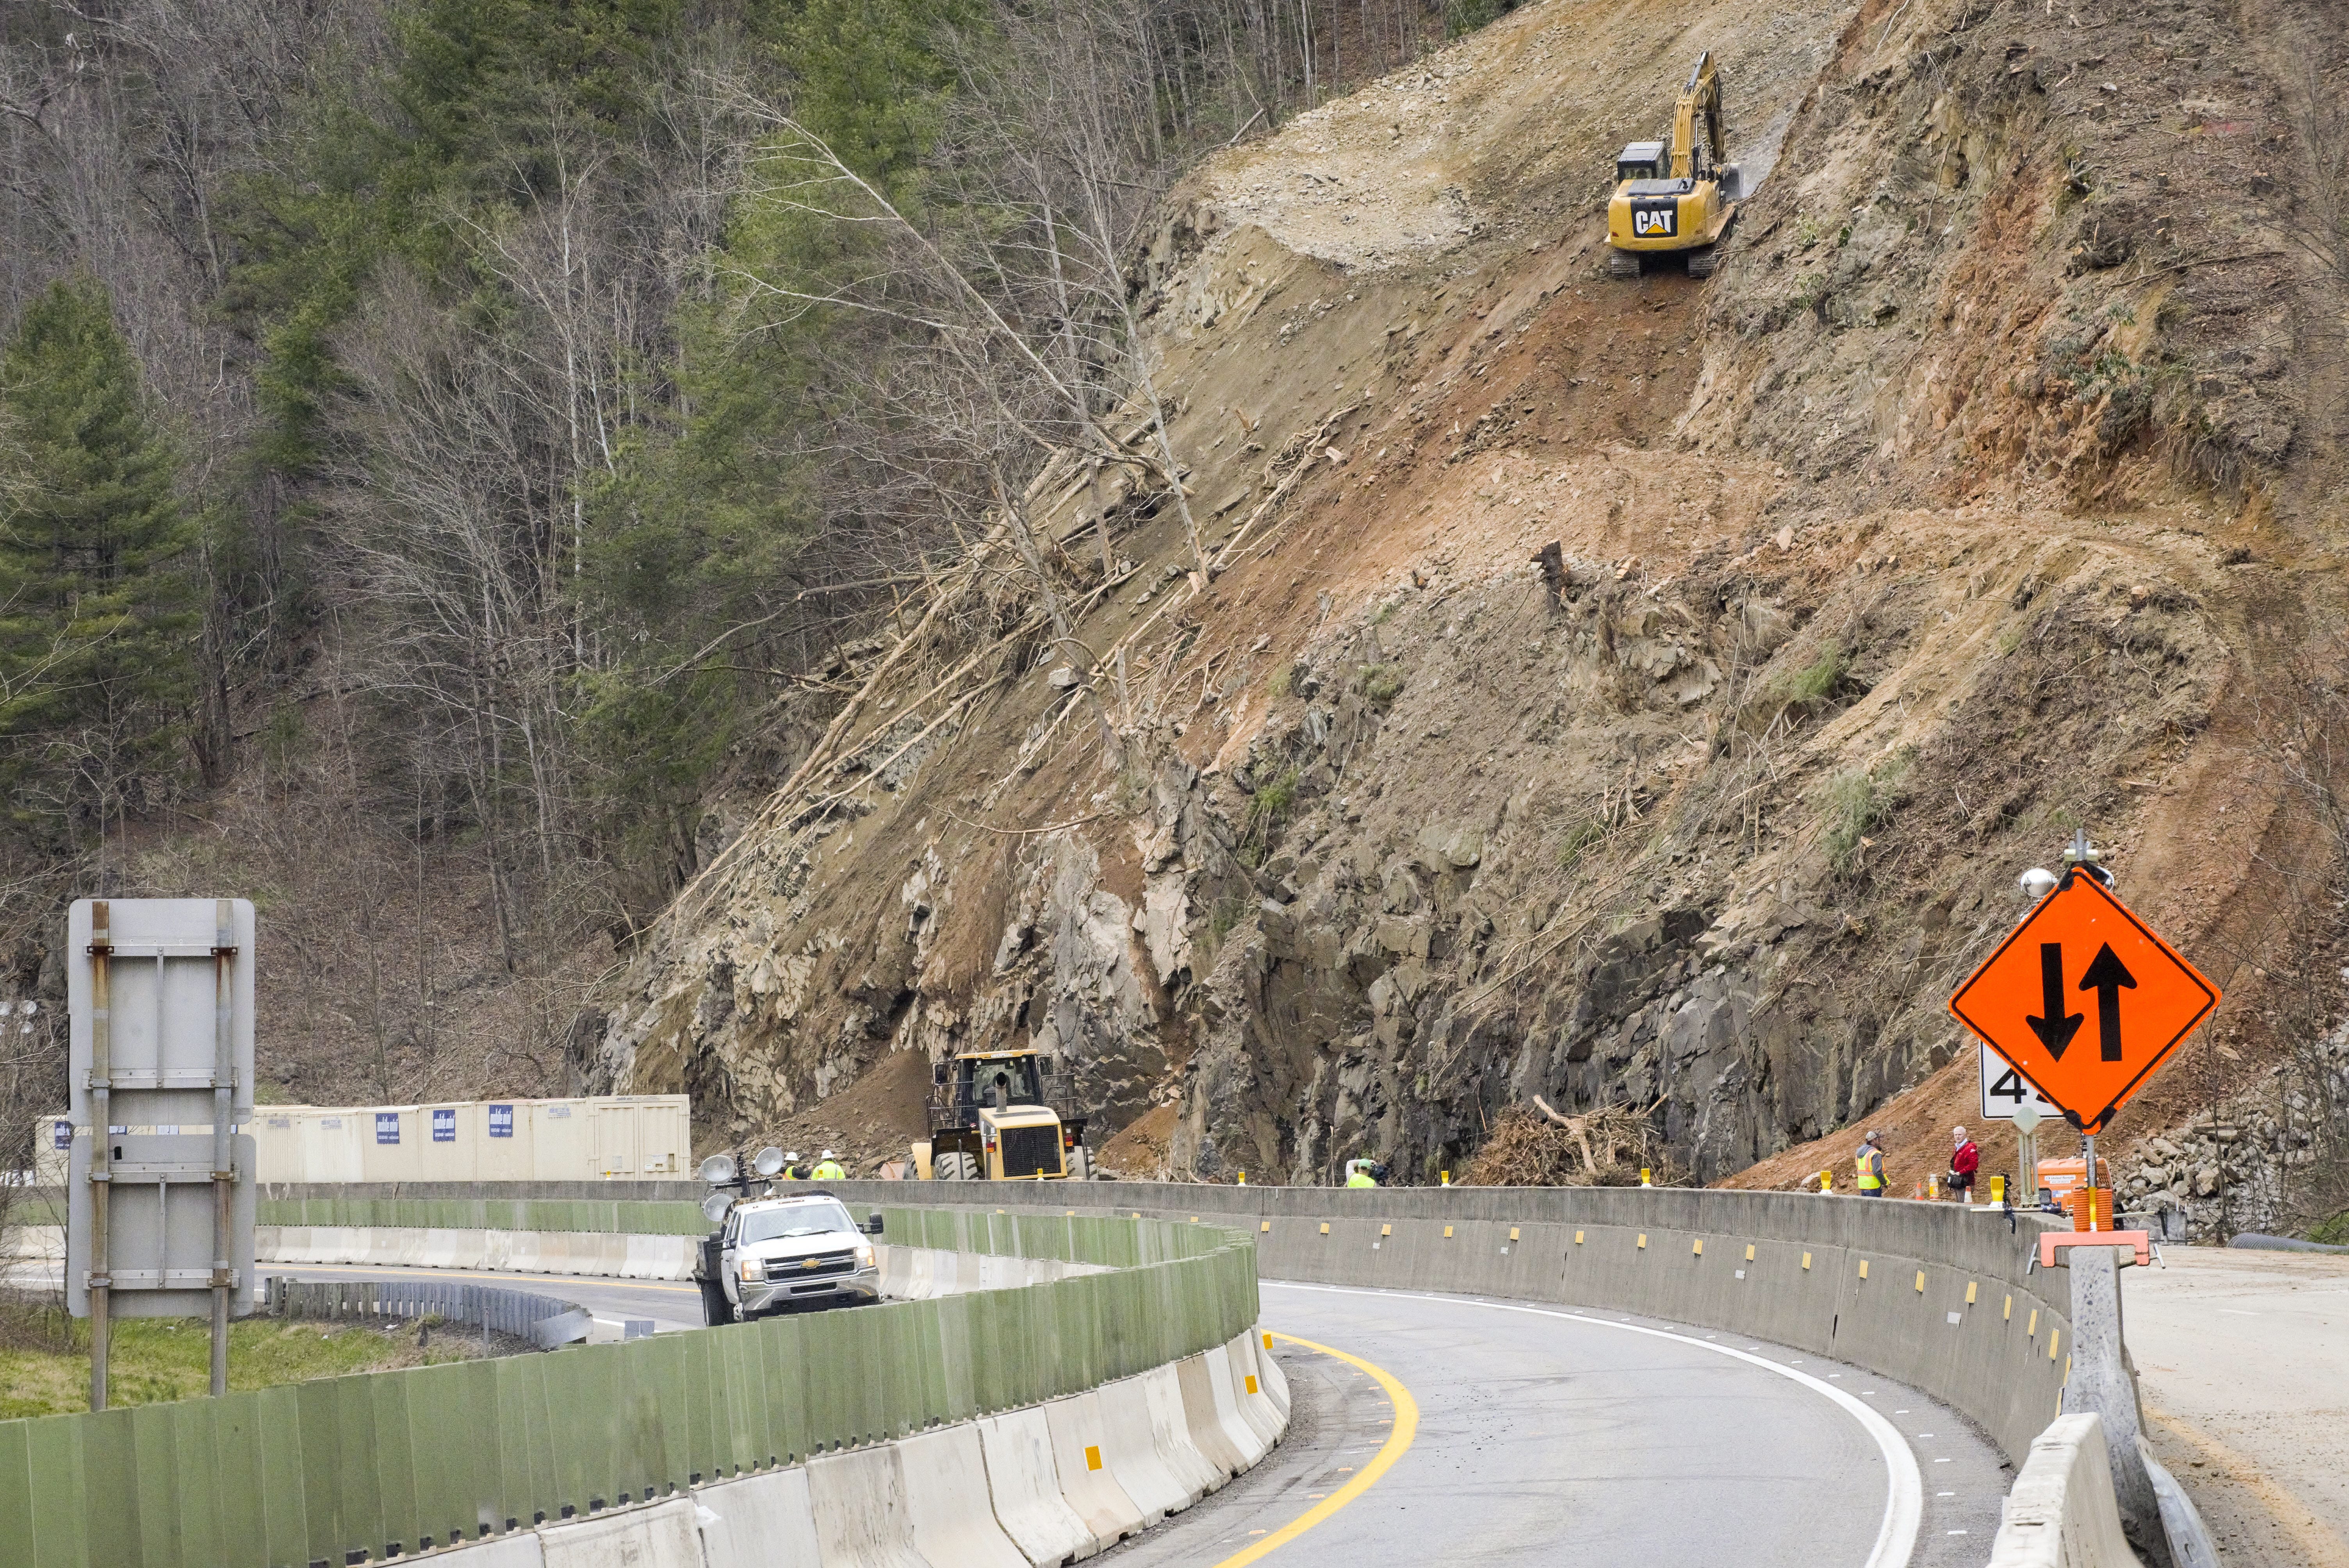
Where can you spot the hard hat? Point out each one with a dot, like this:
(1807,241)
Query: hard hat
(827,1154)
(1873,1135)
(795,1154)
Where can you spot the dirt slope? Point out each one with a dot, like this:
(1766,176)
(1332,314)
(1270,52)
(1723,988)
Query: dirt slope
(1970,501)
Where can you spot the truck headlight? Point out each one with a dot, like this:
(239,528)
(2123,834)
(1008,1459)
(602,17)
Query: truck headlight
(864,1254)
(754,1269)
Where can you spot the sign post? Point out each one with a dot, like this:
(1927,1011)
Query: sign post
(159,999)
(2081,947)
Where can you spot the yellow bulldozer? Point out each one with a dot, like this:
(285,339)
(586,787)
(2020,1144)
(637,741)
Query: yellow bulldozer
(993,1118)
(1674,197)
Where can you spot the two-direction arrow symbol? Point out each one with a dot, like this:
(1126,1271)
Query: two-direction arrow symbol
(2105,976)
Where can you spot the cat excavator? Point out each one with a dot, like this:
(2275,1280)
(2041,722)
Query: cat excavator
(1674,197)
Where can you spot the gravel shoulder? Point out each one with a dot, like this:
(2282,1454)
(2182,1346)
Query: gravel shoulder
(2243,1359)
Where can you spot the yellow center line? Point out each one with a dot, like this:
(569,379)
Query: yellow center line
(465,1273)
(1406,1426)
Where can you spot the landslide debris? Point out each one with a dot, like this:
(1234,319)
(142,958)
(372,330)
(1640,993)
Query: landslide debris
(1963,507)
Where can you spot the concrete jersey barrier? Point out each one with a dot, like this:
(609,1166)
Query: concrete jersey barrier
(990,1494)
(2061,1512)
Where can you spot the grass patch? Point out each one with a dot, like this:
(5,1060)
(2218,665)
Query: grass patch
(1579,840)
(1278,684)
(1817,681)
(44,1357)
(2332,1232)
(1381,683)
(1859,802)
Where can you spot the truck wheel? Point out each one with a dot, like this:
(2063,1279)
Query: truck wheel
(715,1308)
(956,1168)
(1080,1163)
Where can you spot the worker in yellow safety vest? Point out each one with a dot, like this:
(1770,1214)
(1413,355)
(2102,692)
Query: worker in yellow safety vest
(829,1168)
(1869,1166)
(1358,1174)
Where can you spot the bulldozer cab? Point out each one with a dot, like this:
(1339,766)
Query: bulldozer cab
(996,1082)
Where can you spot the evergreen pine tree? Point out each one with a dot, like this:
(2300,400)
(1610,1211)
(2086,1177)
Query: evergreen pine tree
(96,613)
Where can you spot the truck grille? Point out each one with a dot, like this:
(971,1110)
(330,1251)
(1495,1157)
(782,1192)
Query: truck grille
(1032,1151)
(826,1264)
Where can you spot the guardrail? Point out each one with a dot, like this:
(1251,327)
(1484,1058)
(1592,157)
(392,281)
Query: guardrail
(522,1314)
(392,1463)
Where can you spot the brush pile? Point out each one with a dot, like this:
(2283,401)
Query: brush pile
(1607,1146)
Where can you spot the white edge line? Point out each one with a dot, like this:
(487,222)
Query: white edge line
(1904,1503)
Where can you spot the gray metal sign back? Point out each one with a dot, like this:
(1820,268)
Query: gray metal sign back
(158,997)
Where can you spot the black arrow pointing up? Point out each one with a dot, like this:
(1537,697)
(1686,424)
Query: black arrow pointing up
(2057,1028)
(2105,976)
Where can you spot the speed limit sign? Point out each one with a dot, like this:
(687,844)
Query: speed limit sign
(2003,1090)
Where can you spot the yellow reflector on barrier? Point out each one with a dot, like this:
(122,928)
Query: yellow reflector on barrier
(1969,1292)
(1251,1382)
(1267,1342)
(1698,1250)
(1325,1227)
(1578,1238)
(2008,1315)
(1093,1457)
(1266,1226)
(2031,1329)
(1806,1260)
(1920,1281)
(1643,1241)
(1447,1233)
(1386,1230)
(2053,1335)
(1749,1253)
(1513,1232)
(1863,1268)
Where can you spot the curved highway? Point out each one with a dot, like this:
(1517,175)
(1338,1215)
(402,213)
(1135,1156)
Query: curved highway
(1549,1435)
(1505,1433)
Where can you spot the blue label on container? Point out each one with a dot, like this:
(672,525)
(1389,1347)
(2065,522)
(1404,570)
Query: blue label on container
(444,1126)
(387,1127)
(63,1134)
(501,1121)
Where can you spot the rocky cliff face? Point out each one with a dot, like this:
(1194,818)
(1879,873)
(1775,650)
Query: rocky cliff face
(1964,507)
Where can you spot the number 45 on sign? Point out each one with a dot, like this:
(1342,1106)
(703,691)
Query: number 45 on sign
(2003,1092)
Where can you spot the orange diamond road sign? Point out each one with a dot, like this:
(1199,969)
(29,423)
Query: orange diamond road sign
(2084,1000)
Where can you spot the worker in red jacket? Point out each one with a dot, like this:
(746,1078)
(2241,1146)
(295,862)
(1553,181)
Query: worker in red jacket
(1965,1158)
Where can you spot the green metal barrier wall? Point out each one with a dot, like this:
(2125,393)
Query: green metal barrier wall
(399,1460)
(624,1218)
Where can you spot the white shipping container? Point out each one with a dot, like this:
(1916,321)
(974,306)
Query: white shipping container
(624,1138)
(616,1138)
(52,1147)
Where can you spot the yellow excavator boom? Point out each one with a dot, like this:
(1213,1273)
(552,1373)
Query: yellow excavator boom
(1701,96)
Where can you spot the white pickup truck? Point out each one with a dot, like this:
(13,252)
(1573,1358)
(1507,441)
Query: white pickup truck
(776,1254)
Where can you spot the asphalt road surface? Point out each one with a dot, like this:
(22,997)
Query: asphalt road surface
(1487,1432)
(1547,1436)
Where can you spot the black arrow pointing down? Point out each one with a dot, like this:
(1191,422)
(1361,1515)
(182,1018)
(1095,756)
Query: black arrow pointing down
(2056,1027)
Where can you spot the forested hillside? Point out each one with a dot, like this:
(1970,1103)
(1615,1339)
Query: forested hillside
(454,448)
